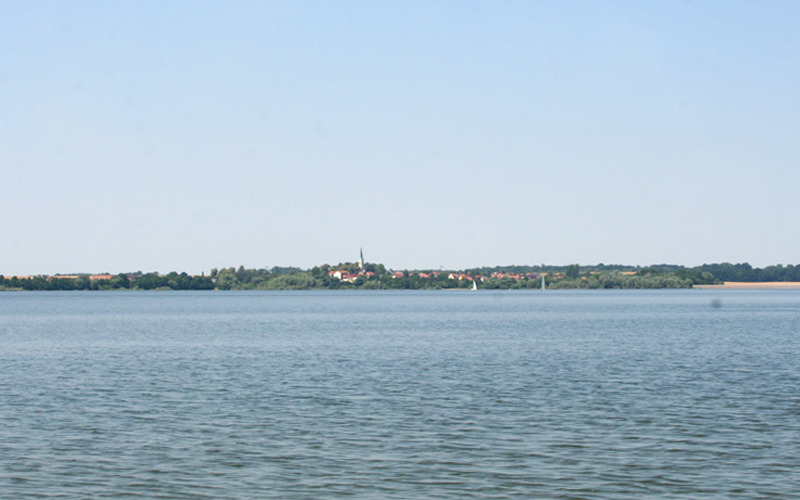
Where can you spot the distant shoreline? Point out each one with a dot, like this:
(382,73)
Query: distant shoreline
(766,285)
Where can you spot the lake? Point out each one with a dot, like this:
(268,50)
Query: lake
(434,394)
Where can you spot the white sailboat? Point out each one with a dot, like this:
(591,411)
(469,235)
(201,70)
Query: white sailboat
(474,285)
(543,286)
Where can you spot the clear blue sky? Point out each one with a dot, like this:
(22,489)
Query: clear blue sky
(162,136)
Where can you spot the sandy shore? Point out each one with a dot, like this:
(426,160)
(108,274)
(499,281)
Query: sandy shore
(769,285)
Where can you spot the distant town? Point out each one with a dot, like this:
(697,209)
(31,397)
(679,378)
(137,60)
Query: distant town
(372,276)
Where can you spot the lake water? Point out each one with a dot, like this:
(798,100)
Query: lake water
(573,394)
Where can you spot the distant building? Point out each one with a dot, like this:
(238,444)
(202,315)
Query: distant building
(459,276)
(341,275)
(345,275)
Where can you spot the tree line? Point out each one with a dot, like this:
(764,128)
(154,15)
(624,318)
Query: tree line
(147,281)
(377,277)
(747,273)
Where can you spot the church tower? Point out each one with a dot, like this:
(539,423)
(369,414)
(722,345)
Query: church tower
(361,259)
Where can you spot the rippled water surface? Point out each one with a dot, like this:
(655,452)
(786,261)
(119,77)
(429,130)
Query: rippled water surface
(680,394)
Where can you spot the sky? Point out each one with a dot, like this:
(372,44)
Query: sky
(191,135)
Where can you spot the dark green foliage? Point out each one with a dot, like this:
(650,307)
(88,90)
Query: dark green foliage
(148,281)
(284,270)
(572,271)
(745,272)
(696,276)
(616,279)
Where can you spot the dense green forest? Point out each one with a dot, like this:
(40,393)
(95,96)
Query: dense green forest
(377,277)
(746,273)
(148,281)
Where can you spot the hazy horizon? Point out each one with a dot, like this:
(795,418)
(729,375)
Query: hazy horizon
(582,266)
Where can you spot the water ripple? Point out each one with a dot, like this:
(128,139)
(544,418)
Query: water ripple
(573,395)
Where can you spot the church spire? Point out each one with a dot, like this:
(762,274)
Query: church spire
(361,259)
